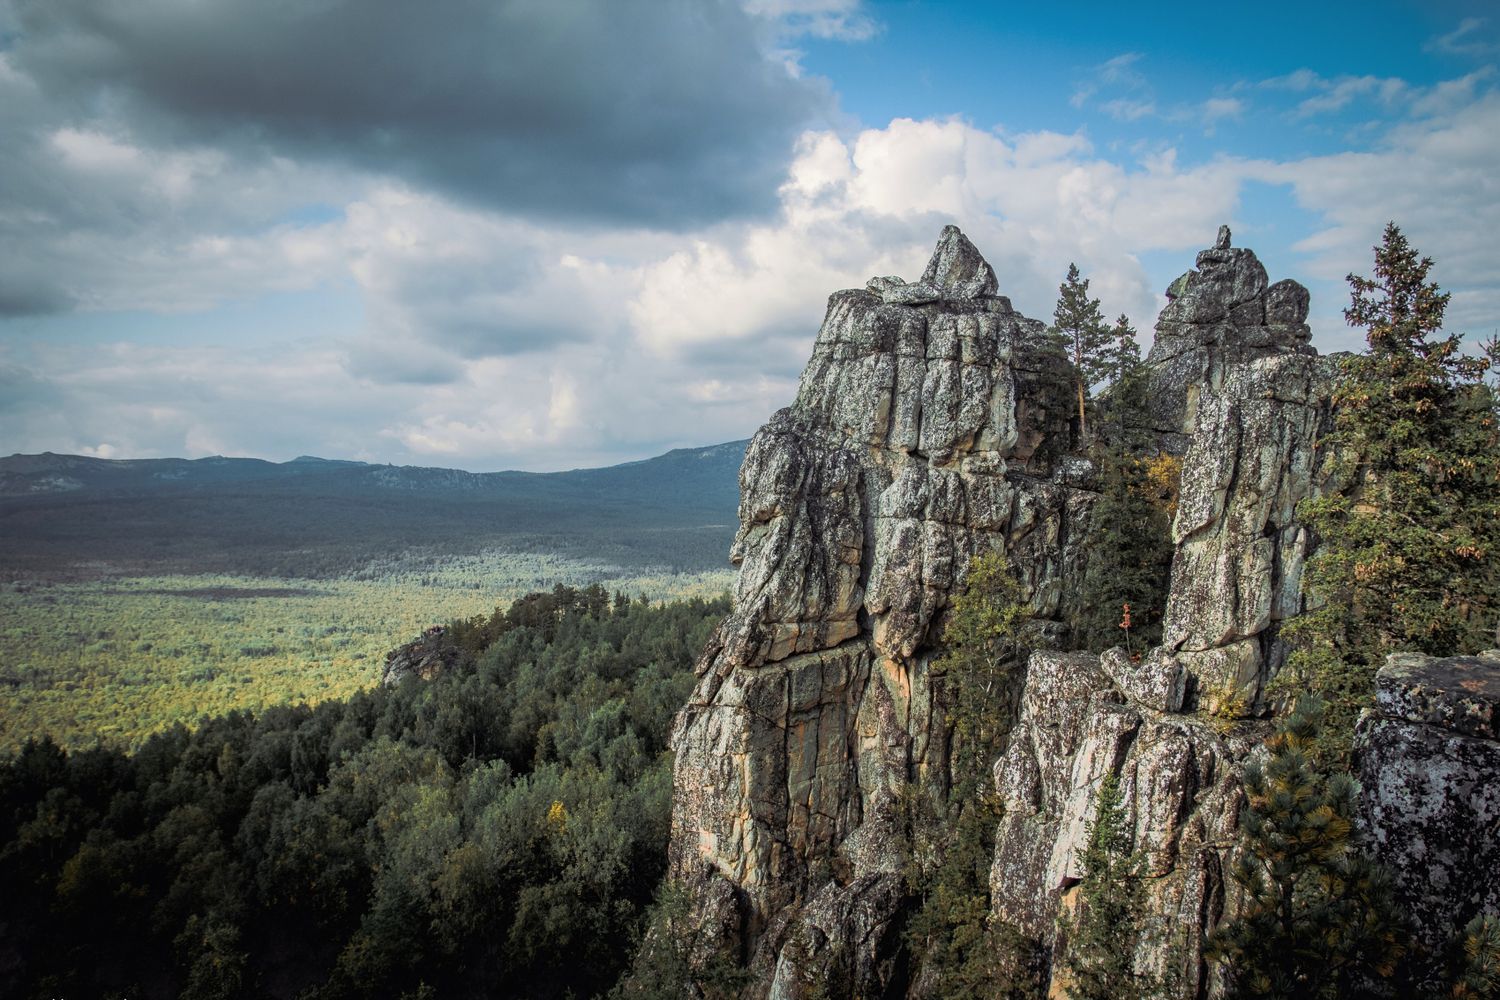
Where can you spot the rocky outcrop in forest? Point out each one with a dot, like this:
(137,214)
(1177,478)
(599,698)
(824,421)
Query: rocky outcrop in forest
(934,423)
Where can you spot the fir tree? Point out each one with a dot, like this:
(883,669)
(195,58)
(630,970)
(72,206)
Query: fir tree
(1409,552)
(1318,919)
(1078,324)
(1128,560)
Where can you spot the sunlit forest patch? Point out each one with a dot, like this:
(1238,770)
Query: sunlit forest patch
(118,659)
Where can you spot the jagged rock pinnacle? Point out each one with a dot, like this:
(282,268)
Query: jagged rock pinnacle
(957,270)
(1222,243)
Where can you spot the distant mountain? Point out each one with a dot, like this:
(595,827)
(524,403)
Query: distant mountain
(70,515)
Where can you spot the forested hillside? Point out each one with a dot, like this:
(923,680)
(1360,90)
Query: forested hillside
(498,831)
(66,517)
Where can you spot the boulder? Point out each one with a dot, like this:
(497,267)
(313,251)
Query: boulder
(1429,760)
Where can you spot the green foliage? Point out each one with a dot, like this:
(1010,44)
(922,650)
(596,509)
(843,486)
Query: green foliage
(1106,927)
(499,830)
(1128,549)
(119,660)
(979,665)
(1127,562)
(1078,324)
(1409,553)
(1318,920)
(1476,975)
(951,934)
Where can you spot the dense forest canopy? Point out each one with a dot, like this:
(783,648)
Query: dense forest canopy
(500,830)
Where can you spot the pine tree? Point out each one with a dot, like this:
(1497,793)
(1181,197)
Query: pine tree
(1103,935)
(1409,551)
(1078,324)
(1476,973)
(1318,919)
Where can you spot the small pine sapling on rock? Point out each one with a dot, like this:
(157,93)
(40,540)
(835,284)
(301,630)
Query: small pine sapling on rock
(1318,919)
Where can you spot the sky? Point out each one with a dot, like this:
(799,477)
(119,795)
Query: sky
(550,234)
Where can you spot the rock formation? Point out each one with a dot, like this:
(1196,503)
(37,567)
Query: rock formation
(932,424)
(1237,389)
(1429,758)
(426,656)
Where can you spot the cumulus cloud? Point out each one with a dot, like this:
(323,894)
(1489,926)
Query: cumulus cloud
(670,113)
(502,331)
(1434,177)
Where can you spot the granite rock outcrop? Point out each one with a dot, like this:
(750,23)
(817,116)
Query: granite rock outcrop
(934,423)
(930,425)
(1429,757)
(425,657)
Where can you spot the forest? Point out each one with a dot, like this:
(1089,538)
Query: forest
(68,518)
(505,823)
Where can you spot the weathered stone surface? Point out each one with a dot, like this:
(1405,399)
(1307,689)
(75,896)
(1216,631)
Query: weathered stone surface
(958,268)
(1459,693)
(1180,785)
(1429,771)
(424,657)
(1218,316)
(930,425)
(1250,400)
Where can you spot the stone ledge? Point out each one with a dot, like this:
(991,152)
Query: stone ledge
(1459,693)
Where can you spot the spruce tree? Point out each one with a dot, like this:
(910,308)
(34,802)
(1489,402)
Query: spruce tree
(1128,547)
(1078,324)
(1318,920)
(1409,550)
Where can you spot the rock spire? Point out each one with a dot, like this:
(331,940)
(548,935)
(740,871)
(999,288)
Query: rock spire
(932,423)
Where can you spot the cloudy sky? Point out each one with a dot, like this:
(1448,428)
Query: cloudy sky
(545,234)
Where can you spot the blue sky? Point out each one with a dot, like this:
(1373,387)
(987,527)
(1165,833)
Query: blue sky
(553,234)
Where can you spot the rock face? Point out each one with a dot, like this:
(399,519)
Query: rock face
(1429,759)
(929,426)
(933,423)
(1242,399)
(1218,316)
(425,657)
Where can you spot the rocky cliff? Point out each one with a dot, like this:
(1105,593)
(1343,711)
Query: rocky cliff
(933,423)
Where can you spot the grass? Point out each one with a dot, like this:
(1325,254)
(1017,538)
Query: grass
(114,660)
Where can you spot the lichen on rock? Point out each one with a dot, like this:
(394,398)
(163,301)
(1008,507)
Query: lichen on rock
(933,424)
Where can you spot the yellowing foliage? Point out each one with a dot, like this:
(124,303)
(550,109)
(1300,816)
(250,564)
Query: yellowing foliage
(117,660)
(1164,482)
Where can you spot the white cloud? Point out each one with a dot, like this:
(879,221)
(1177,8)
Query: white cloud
(489,341)
(845,20)
(1468,39)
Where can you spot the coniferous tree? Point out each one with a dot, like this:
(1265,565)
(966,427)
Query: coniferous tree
(1318,919)
(1409,551)
(962,949)
(1106,929)
(1476,975)
(1128,548)
(1078,324)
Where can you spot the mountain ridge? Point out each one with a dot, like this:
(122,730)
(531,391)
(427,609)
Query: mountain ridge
(62,516)
(30,470)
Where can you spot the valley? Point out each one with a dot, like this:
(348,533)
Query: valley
(137,595)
